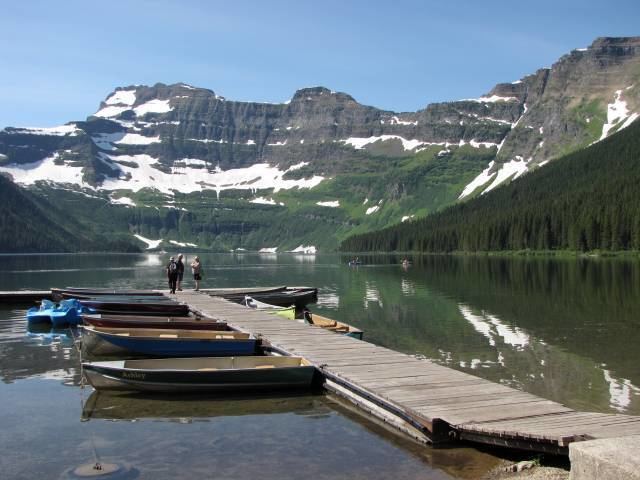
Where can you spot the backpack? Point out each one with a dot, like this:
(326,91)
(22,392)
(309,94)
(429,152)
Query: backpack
(173,267)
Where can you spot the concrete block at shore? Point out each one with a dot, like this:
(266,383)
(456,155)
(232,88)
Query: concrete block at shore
(610,458)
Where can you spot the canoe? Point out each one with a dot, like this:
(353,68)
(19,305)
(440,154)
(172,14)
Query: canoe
(299,297)
(148,321)
(332,325)
(218,292)
(137,308)
(182,375)
(162,342)
(67,312)
(286,312)
(120,298)
(102,291)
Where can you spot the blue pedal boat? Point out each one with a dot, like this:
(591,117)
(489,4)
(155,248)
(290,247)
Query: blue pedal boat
(162,342)
(67,312)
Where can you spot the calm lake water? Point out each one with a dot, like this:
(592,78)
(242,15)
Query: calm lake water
(566,330)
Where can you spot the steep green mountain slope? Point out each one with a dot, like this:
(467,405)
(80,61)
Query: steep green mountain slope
(30,223)
(588,200)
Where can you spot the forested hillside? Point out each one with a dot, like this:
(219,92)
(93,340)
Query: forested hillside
(589,200)
(30,223)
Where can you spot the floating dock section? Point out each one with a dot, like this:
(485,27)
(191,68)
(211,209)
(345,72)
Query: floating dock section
(433,403)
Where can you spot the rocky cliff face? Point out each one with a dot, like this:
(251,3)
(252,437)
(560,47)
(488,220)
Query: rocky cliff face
(182,139)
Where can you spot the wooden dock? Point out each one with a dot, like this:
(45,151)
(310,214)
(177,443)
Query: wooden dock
(433,403)
(24,296)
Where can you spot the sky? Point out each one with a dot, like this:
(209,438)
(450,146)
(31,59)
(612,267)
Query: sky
(59,59)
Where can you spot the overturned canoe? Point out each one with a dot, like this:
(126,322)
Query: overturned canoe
(149,321)
(299,296)
(286,312)
(176,375)
(218,292)
(160,342)
(73,291)
(169,308)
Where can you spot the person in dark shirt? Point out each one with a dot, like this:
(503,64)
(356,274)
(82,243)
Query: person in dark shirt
(180,272)
(172,274)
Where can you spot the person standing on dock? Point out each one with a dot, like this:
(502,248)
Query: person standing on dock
(172,274)
(195,269)
(180,272)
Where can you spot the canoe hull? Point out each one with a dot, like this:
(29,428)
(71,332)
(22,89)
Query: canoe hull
(96,343)
(115,376)
(133,321)
(283,298)
(71,292)
(138,308)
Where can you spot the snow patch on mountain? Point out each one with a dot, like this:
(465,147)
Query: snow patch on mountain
(122,201)
(110,111)
(332,204)
(480,180)
(150,243)
(60,131)
(182,244)
(153,106)
(122,97)
(47,170)
(186,179)
(491,99)
(137,139)
(394,120)
(512,169)
(306,249)
(264,201)
(618,115)
(359,143)
(371,210)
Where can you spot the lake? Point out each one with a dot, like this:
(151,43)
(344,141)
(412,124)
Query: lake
(564,329)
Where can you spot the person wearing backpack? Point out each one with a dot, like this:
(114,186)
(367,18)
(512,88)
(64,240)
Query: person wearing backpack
(172,274)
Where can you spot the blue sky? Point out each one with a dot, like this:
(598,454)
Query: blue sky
(60,59)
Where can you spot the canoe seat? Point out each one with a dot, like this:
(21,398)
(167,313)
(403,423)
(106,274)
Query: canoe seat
(264,366)
(328,324)
(169,335)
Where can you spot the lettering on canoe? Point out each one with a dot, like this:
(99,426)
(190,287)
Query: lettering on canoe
(134,375)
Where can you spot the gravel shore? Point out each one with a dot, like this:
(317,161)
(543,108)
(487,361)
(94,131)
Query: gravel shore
(504,472)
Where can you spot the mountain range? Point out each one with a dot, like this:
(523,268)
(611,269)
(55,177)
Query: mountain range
(180,165)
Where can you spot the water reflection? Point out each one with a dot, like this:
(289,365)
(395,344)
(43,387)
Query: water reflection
(565,329)
(494,329)
(150,260)
(189,408)
(548,326)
